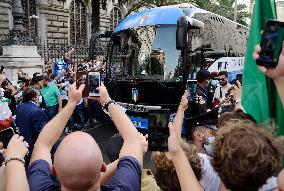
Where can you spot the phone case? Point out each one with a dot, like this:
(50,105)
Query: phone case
(6,135)
(82,78)
(271,50)
(158,129)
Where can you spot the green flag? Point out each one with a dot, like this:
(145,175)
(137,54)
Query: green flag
(260,98)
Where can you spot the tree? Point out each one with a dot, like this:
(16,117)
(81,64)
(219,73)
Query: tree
(136,5)
(226,9)
(208,5)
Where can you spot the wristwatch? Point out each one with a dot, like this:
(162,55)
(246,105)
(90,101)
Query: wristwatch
(107,104)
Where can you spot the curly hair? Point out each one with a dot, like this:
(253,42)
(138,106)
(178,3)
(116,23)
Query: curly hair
(245,155)
(234,115)
(164,170)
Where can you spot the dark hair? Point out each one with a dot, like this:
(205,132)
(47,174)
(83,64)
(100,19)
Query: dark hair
(4,83)
(221,73)
(29,94)
(203,75)
(245,155)
(36,74)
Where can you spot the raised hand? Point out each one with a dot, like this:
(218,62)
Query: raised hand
(173,142)
(184,101)
(238,91)
(16,147)
(274,73)
(104,96)
(74,94)
(144,142)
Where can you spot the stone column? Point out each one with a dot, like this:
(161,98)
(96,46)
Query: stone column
(42,20)
(19,51)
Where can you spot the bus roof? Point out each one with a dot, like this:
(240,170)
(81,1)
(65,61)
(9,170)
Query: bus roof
(165,15)
(154,16)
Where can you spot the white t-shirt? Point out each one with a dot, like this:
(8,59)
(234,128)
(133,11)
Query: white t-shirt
(220,91)
(270,185)
(210,181)
(64,90)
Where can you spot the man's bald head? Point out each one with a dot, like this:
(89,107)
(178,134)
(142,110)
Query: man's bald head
(78,162)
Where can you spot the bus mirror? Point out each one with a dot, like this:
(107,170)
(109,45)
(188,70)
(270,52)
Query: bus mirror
(181,33)
(195,24)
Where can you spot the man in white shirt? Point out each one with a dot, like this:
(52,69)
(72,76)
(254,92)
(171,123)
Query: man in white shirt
(222,89)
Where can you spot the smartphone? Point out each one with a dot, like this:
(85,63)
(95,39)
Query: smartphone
(1,69)
(6,135)
(82,78)
(158,131)
(271,43)
(94,83)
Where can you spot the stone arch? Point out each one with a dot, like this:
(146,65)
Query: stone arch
(116,15)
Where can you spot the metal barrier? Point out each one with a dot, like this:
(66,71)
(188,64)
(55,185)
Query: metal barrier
(54,49)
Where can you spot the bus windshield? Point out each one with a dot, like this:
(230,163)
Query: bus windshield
(145,53)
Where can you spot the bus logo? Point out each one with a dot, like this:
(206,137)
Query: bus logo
(135,94)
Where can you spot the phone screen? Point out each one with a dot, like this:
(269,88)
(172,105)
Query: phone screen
(82,78)
(158,129)
(6,135)
(271,44)
(94,83)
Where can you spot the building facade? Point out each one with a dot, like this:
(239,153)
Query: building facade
(68,20)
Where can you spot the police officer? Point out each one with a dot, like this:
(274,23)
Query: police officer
(202,91)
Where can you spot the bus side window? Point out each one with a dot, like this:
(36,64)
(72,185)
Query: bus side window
(220,65)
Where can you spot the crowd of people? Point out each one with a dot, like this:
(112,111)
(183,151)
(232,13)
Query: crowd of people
(236,154)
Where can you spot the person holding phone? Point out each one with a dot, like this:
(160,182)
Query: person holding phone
(277,73)
(186,176)
(78,154)
(210,181)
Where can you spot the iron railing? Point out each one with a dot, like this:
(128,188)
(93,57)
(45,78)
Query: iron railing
(52,50)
